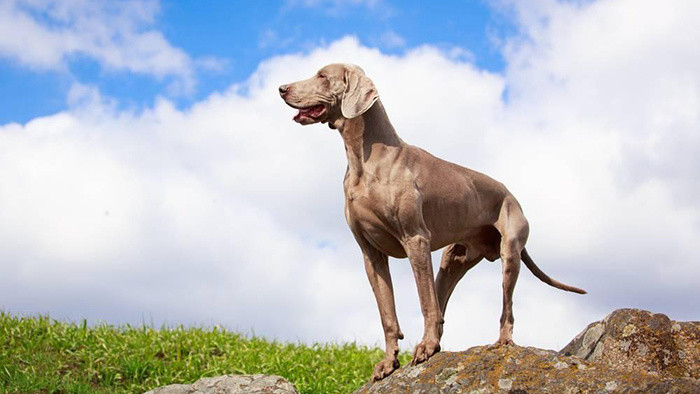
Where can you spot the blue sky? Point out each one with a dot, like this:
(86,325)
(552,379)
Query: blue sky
(240,34)
(150,172)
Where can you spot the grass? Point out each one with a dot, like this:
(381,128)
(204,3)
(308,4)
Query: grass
(39,354)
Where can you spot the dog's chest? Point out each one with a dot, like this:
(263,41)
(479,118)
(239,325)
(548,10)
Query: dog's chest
(372,211)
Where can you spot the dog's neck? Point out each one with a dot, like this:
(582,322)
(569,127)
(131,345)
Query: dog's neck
(368,136)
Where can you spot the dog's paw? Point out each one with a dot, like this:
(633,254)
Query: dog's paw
(504,342)
(424,350)
(384,368)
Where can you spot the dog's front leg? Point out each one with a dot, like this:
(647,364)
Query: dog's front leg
(418,251)
(377,267)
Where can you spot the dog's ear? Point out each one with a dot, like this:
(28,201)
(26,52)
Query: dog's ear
(360,93)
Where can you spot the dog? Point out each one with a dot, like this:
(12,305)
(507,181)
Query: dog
(401,201)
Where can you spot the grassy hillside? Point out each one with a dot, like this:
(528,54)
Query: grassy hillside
(39,354)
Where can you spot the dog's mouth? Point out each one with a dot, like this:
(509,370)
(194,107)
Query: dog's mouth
(310,114)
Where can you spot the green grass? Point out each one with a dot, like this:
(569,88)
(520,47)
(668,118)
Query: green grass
(39,354)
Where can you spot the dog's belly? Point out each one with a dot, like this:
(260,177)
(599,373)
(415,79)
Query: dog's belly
(458,207)
(452,226)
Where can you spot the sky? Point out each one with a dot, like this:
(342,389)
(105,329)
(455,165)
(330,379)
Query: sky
(150,173)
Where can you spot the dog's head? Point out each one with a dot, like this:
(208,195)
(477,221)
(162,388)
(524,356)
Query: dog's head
(337,90)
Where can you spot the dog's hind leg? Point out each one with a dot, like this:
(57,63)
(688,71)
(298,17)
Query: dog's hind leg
(455,263)
(514,231)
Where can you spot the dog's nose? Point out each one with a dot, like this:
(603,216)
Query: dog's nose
(284,89)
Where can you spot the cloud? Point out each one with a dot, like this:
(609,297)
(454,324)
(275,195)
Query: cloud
(635,79)
(229,213)
(391,39)
(334,3)
(120,36)
(336,8)
(270,38)
(213,64)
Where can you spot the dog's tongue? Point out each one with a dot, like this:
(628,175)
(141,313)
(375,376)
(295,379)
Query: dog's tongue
(309,112)
(316,110)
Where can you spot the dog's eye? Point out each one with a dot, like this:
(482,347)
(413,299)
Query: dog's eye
(321,76)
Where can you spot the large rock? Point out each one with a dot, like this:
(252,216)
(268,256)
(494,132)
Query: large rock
(628,351)
(230,384)
(515,369)
(636,340)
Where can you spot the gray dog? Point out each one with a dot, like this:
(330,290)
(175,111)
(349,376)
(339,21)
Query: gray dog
(401,201)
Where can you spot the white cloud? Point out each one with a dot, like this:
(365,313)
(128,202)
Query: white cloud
(270,38)
(337,8)
(391,39)
(333,3)
(230,213)
(212,64)
(635,79)
(118,35)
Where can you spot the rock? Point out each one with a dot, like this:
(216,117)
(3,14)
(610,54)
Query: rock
(515,369)
(229,384)
(636,340)
(628,351)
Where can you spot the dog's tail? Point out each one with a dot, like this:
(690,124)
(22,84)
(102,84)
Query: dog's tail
(544,277)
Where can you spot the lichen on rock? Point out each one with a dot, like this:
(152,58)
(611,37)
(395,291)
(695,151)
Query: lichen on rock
(628,351)
(633,339)
(485,369)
